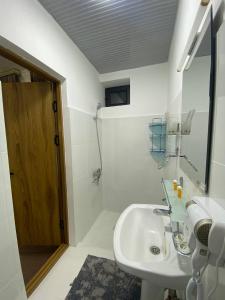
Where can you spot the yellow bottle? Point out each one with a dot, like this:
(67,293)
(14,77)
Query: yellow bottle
(174,185)
(179,192)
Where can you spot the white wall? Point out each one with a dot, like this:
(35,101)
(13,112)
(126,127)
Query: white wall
(40,38)
(27,29)
(186,14)
(148,91)
(130,174)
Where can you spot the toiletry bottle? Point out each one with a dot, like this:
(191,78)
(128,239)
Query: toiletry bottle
(174,185)
(179,192)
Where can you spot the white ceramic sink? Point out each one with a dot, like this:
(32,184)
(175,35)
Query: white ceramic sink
(137,230)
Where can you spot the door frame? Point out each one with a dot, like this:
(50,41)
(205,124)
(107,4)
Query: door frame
(39,276)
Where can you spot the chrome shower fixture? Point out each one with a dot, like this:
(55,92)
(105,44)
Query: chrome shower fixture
(99,106)
(96,175)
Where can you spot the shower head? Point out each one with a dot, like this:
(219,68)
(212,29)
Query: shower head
(99,106)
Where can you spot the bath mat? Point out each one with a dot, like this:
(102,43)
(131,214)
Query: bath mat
(101,279)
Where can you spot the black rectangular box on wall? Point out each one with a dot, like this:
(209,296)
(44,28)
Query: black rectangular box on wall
(119,95)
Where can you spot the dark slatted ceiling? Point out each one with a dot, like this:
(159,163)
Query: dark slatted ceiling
(117,34)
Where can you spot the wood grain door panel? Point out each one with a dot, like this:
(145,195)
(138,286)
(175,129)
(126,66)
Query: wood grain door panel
(30,129)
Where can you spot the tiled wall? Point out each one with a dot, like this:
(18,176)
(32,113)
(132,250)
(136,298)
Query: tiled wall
(130,174)
(11,280)
(85,159)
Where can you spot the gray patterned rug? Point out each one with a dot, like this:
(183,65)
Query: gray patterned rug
(101,279)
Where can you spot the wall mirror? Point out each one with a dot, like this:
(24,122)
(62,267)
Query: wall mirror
(197,109)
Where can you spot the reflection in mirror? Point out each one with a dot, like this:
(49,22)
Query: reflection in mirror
(196,114)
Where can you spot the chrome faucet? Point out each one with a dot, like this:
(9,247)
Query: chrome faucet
(162,211)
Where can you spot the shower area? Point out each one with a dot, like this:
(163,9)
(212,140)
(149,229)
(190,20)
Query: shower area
(93,222)
(112,167)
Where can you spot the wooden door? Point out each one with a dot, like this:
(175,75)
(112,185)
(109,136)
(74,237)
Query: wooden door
(30,130)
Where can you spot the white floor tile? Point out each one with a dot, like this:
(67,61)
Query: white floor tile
(98,242)
(101,233)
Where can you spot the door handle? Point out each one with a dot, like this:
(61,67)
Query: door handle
(11,173)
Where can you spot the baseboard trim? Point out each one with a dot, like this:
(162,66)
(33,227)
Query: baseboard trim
(40,275)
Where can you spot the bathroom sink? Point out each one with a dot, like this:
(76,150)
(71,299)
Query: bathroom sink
(143,247)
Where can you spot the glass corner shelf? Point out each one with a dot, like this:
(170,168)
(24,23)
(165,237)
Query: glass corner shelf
(158,136)
(158,126)
(178,210)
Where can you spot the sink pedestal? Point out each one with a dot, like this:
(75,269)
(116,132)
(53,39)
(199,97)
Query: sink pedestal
(151,292)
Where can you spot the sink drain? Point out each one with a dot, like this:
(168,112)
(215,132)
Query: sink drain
(155,250)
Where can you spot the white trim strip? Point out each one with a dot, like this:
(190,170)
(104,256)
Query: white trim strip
(133,116)
(80,110)
(115,117)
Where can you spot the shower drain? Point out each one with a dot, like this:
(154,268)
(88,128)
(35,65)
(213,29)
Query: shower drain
(155,250)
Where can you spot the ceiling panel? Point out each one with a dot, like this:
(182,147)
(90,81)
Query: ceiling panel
(117,34)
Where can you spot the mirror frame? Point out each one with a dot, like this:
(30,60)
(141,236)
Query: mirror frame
(212,91)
